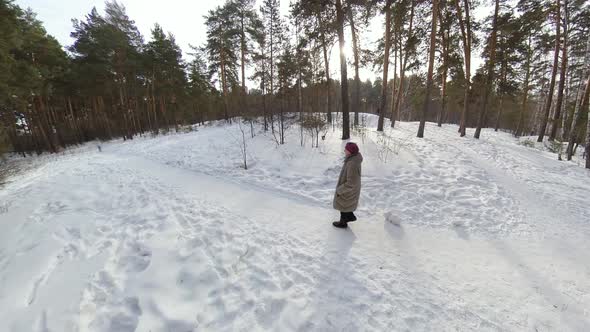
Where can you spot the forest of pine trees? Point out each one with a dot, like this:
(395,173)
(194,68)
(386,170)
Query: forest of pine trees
(114,82)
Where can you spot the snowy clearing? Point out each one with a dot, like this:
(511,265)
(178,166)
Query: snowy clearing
(171,234)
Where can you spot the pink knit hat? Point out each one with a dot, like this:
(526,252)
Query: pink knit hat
(352,148)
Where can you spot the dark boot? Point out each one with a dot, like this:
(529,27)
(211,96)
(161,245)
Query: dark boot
(340,224)
(347,216)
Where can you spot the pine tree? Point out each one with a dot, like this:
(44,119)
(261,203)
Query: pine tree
(317,19)
(530,48)
(107,61)
(511,57)
(168,72)
(223,58)
(343,74)
(9,39)
(324,41)
(464,18)
(578,58)
(126,44)
(526,86)
(406,51)
(548,103)
(448,51)
(387,46)
(490,70)
(356,100)
(36,64)
(429,79)
(273,24)
(199,86)
(261,73)
(562,76)
(303,65)
(579,109)
(243,12)
(286,75)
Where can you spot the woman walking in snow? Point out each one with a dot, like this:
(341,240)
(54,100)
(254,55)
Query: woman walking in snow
(348,190)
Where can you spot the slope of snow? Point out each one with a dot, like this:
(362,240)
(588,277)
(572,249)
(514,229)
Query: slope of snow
(171,234)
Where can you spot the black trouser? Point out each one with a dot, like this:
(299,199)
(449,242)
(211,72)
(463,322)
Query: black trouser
(347,216)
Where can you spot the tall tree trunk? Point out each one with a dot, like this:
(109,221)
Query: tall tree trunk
(567,124)
(343,73)
(300,106)
(400,89)
(300,97)
(162,103)
(105,117)
(429,78)
(547,109)
(38,111)
(122,109)
(299,79)
(12,134)
(500,109)
(581,86)
(445,37)
(74,121)
(565,119)
(579,109)
(326,66)
(281,122)
(443,98)
(562,76)
(402,76)
(504,73)
(579,103)
(525,93)
(356,99)
(490,77)
(536,123)
(394,84)
(175,113)
(155,109)
(224,87)
(263,88)
(243,52)
(465,25)
(383,103)
(272,91)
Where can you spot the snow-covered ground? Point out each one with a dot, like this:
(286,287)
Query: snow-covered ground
(171,234)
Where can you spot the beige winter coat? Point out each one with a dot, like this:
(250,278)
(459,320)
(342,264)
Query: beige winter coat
(348,190)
